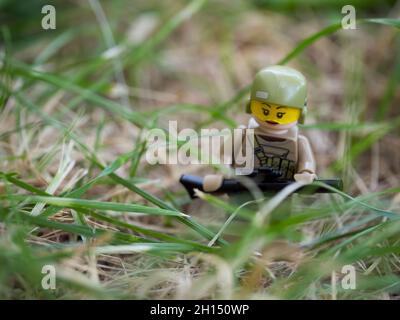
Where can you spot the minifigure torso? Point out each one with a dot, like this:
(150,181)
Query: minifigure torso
(276,152)
(284,152)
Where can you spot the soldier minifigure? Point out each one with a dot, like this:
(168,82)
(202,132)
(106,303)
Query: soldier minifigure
(281,155)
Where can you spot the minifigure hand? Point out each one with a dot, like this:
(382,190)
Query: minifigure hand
(212,182)
(305,177)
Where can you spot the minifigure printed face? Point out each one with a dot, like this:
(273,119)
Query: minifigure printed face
(273,113)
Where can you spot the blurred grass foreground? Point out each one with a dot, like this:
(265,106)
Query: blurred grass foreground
(78,199)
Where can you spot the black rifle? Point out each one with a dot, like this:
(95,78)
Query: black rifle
(231,186)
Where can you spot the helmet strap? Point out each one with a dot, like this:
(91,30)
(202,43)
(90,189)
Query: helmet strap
(248,109)
(303,115)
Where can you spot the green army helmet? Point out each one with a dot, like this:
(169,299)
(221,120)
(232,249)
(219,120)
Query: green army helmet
(282,86)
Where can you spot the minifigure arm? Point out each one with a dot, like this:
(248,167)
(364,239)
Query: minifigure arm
(213,181)
(306,157)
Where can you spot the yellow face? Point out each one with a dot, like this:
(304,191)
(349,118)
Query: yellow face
(274,114)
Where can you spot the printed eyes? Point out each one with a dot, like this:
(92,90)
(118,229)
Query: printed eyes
(280,115)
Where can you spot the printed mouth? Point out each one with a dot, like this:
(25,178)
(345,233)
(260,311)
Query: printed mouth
(272,122)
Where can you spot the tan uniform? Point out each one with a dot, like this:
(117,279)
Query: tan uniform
(286,153)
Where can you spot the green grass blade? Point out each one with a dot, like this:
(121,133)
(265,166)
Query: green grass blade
(99,205)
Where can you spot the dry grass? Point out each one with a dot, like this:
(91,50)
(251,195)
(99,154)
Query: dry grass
(204,61)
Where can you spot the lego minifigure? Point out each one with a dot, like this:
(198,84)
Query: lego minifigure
(281,155)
